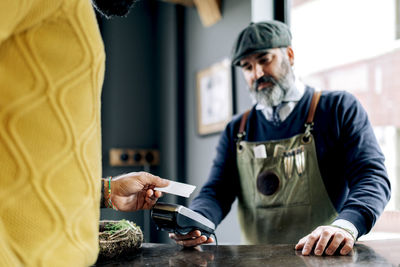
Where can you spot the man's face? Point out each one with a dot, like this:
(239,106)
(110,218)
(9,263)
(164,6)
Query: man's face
(269,75)
(110,8)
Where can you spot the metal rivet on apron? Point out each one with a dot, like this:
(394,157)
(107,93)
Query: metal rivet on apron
(267,183)
(306,139)
(240,147)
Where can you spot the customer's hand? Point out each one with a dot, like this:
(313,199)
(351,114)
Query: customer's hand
(135,191)
(191,239)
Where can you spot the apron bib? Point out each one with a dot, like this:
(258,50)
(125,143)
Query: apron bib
(283,196)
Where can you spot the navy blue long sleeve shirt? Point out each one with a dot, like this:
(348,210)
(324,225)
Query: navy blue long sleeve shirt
(349,158)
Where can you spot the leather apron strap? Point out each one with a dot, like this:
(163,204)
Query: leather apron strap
(243,121)
(310,118)
(313,107)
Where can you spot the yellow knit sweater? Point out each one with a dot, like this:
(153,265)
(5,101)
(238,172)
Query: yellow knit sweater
(51,72)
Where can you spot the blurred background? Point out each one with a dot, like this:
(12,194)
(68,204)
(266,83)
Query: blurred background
(150,101)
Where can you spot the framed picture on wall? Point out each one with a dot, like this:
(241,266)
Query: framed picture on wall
(214,97)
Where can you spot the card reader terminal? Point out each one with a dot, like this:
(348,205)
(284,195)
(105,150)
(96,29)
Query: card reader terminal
(181,220)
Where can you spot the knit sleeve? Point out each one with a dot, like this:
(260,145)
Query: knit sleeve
(7,256)
(19,15)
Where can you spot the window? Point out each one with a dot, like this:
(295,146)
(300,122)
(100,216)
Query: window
(397,11)
(354,45)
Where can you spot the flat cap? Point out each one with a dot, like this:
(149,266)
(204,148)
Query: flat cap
(258,37)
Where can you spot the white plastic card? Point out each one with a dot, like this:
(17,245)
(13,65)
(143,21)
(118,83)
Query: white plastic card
(176,188)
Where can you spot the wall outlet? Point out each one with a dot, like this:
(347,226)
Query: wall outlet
(134,157)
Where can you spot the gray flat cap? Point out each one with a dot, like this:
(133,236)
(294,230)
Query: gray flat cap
(258,37)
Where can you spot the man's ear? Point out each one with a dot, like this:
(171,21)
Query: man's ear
(290,55)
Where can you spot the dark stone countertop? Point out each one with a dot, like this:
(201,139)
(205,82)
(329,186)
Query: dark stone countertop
(366,253)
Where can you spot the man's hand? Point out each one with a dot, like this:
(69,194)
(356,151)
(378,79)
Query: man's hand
(134,191)
(191,239)
(326,238)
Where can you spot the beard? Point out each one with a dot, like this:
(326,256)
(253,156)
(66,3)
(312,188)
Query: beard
(110,8)
(274,94)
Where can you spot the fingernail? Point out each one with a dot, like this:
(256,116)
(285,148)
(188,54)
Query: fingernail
(318,252)
(329,252)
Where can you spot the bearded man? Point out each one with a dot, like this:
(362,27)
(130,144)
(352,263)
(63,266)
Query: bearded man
(305,166)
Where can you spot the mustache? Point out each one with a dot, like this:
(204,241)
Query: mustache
(263,79)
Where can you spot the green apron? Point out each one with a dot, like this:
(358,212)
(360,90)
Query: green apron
(283,196)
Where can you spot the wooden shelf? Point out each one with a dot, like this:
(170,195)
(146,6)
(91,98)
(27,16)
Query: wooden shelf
(209,10)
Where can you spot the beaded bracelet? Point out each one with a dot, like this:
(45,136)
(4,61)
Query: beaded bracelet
(110,204)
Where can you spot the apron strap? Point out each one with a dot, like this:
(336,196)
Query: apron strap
(310,118)
(313,107)
(243,121)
